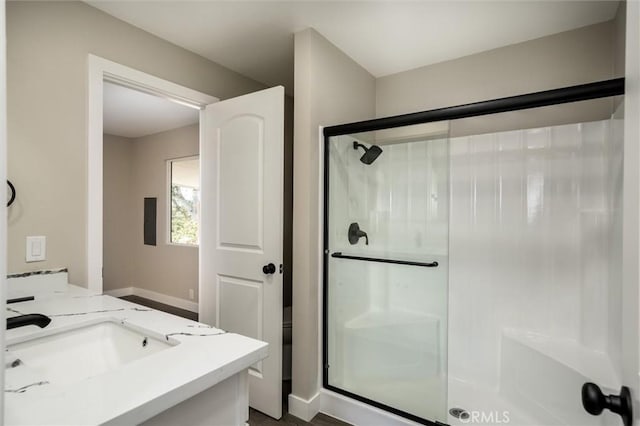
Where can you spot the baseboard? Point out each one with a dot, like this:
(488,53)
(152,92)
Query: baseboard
(187,305)
(305,409)
(356,412)
(119,292)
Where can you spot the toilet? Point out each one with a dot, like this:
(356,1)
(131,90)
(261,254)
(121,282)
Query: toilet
(286,343)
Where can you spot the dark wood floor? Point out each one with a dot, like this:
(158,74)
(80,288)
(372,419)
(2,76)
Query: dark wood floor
(161,307)
(256,418)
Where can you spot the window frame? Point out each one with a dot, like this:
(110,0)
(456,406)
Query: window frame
(168,192)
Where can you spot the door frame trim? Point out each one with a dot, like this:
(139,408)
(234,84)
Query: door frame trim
(99,71)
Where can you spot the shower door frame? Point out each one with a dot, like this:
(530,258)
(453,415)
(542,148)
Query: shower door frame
(582,92)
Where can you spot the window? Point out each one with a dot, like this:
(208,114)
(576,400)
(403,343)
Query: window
(184,196)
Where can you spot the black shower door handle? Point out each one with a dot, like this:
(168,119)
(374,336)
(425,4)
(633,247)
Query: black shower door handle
(269,269)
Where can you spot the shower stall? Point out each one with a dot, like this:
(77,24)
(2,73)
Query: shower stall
(472,260)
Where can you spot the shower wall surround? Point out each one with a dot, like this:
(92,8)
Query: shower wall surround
(535,261)
(400,200)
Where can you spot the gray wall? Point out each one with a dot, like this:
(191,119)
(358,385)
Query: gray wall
(619,35)
(573,57)
(167,269)
(583,55)
(47,48)
(3,176)
(330,88)
(118,221)
(135,169)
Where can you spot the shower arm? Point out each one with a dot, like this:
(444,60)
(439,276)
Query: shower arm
(356,145)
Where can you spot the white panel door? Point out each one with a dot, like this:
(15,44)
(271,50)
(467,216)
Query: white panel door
(241,152)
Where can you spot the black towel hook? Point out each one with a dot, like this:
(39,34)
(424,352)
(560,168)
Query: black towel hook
(12,198)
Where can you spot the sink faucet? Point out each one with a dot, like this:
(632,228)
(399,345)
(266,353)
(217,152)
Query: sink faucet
(30,319)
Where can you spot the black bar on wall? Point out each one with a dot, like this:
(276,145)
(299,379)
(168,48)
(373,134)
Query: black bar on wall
(339,255)
(150,208)
(564,95)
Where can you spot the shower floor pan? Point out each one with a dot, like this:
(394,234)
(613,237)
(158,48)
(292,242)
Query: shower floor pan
(540,384)
(485,401)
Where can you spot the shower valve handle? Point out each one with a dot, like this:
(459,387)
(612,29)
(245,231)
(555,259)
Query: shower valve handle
(355,233)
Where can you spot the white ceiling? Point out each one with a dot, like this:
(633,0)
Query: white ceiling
(255,38)
(132,114)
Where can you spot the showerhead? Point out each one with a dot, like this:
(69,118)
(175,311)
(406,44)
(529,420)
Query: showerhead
(370,154)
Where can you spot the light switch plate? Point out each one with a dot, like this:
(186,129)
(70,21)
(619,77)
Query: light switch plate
(36,249)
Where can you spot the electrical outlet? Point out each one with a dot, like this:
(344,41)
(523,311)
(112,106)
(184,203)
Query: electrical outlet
(191,294)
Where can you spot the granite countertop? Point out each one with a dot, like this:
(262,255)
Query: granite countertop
(202,357)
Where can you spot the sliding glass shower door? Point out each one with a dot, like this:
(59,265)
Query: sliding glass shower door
(473,268)
(386,269)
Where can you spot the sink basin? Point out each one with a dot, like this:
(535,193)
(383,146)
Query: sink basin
(73,355)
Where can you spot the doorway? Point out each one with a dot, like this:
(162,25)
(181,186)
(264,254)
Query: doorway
(151,191)
(101,70)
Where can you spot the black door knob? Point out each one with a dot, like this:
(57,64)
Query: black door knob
(269,269)
(594,401)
